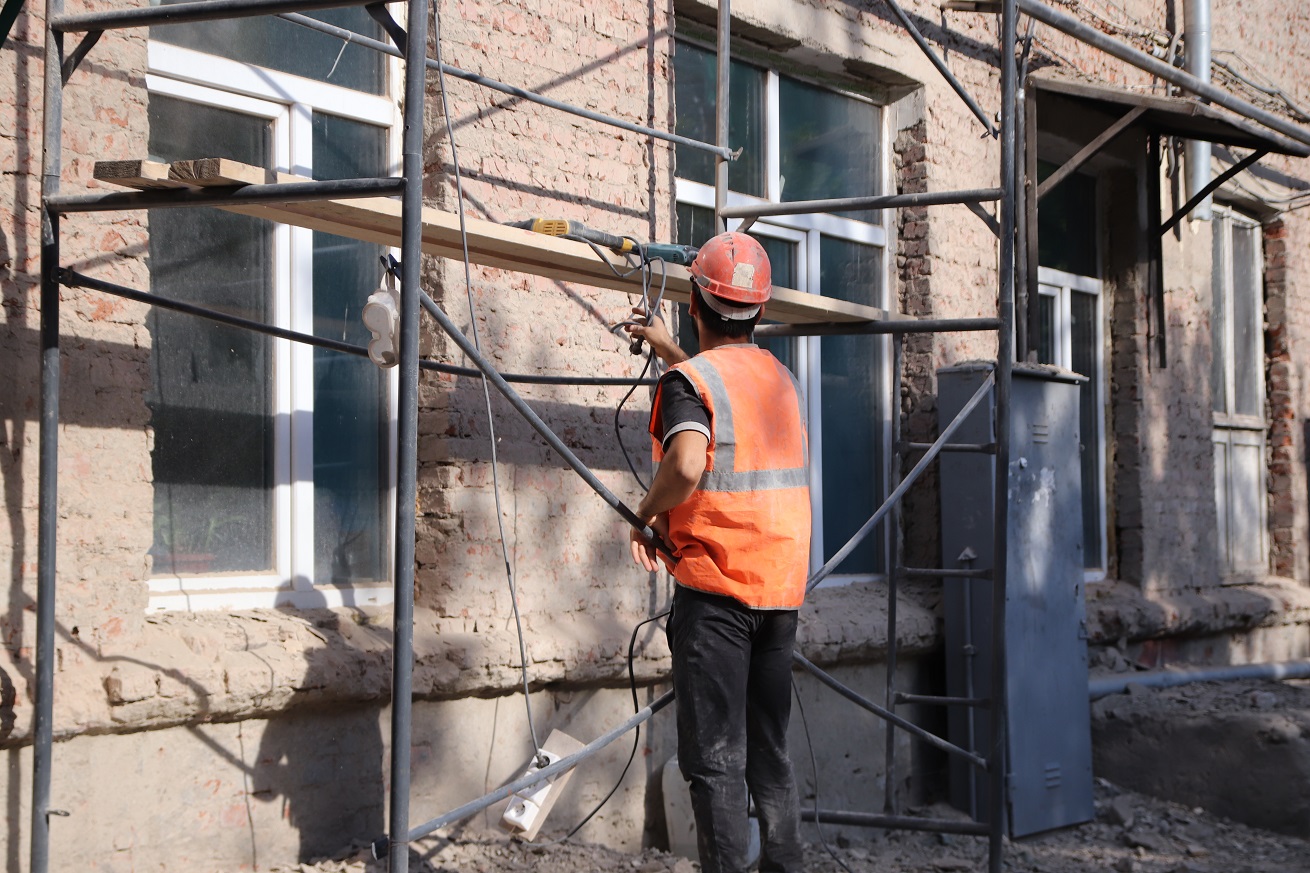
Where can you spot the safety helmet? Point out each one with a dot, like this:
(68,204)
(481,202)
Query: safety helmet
(734,268)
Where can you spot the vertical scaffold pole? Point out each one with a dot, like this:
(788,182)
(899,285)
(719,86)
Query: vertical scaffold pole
(894,562)
(402,686)
(48,478)
(996,757)
(721,107)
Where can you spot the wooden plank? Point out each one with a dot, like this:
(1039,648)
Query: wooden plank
(136,174)
(510,248)
(378,220)
(208,172)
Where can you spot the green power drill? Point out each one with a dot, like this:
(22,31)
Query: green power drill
(668,252)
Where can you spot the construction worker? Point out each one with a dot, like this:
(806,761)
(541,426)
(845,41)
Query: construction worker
(730,495)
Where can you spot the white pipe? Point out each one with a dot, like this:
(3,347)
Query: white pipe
(1119,682)
(1196,45)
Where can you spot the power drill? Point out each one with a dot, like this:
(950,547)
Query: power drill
(673,254)
(668,252)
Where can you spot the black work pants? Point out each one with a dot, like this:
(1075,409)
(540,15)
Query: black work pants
(732,681)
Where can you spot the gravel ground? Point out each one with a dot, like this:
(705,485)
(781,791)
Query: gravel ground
(1132,833)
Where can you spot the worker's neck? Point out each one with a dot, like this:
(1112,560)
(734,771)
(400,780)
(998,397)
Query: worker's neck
(710,341)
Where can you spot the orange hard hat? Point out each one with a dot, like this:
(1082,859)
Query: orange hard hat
(734,267)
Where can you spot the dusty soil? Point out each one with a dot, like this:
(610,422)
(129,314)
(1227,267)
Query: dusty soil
(1132,833)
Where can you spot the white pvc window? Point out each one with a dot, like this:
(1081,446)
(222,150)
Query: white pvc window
(1237,392)
(1071,335)
(830,144)
(272,461)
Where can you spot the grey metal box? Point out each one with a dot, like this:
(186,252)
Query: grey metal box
(1048,714)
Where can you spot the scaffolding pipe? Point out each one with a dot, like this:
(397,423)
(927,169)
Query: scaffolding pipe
(997,766)
(844,552)
(1073,27)
(566,763)
(850,204)
(937,62)
(901,822)
(893,578)
(411,256)
(281,192)
(892,326)
(73,279)
(1118,683)
(721,116)
(886,714)
(48,465)
(186,13)
(530,416)
(531,96)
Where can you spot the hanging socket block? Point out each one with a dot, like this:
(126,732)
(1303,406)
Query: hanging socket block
(528,808)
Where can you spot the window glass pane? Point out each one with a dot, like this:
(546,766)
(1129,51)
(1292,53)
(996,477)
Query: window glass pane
(1219,317)
(1221,474)
(350,409)
(1248,322)
(1246,455)
(211,386)
(1066,224)
(828,145)
(280,45)
(1046,335)
(1084,336)
(852,417)
(695,84)
(782,261)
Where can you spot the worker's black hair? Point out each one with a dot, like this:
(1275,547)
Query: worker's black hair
(724,327)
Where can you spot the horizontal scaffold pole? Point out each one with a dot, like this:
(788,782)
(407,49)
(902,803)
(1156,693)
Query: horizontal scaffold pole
(1071,26)
(73,279)
(850,204)
(566,763)
(886,714)
(184,13)
(897,822)
(531,96)
(836,328)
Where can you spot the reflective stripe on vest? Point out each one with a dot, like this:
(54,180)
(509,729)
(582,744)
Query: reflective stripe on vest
(745,531)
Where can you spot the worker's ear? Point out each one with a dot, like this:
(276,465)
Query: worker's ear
(694,307)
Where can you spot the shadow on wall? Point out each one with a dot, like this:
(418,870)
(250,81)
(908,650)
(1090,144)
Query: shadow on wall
(324,767)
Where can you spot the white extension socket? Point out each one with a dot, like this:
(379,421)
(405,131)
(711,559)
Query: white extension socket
(527,808)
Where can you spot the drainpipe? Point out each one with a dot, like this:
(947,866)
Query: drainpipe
(1196,42)
(1117,684)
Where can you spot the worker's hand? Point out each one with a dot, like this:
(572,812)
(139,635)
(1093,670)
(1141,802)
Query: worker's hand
(655,333)
(644,552)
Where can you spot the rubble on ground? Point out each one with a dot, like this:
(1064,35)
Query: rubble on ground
(1132,833)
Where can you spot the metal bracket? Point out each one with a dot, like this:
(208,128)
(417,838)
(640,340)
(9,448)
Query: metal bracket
(992,224)
(74,59)
(379,13)
(1210,188)
(1088,151)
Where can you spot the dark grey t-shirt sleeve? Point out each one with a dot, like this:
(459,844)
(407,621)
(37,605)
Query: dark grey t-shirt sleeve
(681,408)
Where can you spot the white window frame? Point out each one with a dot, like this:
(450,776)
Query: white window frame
(288,103)
(1233,429)
(806,231)
(1061,286)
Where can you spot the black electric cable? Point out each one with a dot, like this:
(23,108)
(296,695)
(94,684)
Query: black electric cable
(814,765)
(636,739)
(538,754)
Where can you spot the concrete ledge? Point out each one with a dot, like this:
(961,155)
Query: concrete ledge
(1117,610)
(188,668)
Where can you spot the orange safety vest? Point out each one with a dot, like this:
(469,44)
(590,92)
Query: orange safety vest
(745,530)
